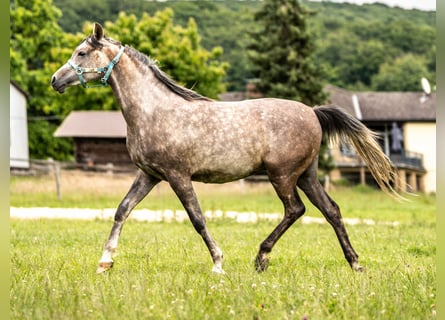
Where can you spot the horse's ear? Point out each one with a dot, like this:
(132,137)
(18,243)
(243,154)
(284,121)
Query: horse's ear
(98,31)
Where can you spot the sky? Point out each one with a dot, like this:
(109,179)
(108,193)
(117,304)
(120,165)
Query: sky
(429,5)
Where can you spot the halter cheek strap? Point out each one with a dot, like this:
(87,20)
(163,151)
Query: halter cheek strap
(107,70)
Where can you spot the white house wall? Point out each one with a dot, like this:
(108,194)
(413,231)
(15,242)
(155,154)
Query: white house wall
(421,137)
(18,147)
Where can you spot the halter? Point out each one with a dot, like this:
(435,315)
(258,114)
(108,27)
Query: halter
(107,70)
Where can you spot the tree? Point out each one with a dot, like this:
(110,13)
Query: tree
(281,53)
(282,56)
(38,49)
(403,74)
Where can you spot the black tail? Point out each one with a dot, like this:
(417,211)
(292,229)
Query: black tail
(338,124)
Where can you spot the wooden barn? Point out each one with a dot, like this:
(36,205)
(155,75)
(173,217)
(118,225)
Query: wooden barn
(99,137)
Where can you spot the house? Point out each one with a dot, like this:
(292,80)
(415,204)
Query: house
(18,126)
(99,137)
(406,125)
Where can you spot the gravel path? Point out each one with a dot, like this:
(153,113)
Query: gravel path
(168,215)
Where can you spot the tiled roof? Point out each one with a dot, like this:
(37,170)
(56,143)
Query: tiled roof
(385,106)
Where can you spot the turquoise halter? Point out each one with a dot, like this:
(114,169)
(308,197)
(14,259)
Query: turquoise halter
(107,70)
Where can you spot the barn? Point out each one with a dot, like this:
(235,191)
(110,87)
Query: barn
(18,124)
(99,137)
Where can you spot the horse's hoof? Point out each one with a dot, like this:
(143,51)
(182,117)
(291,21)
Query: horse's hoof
(104,266)
(218,270)
(357,268)
(261,264)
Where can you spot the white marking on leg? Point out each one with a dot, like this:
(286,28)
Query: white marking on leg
(217,264)
(218,269)
(106,257)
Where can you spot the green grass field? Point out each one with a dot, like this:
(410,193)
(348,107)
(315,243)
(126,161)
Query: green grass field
(163,269)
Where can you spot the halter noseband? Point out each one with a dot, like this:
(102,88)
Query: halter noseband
(107,70)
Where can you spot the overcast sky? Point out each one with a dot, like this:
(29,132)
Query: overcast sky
(406,4)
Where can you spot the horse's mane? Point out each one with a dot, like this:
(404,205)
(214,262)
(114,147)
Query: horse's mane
(181,91)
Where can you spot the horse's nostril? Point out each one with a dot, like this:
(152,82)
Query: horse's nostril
(53,79)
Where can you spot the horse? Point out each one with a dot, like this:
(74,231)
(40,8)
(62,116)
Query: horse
(177,135)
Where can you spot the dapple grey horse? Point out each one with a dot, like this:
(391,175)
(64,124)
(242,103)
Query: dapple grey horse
(179,136)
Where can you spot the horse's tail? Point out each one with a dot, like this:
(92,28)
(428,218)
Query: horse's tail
(338,124)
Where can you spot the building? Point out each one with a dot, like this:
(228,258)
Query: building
(406,125)
(18,126)
(99,137)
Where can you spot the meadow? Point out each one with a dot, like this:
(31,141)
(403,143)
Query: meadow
(162,270)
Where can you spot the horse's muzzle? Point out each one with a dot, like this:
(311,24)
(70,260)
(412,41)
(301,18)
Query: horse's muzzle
(58,85)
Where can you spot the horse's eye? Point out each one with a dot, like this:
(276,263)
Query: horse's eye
(82,53)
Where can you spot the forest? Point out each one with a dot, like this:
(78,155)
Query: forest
(204,45)
(366,47)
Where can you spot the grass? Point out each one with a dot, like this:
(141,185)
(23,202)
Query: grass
(163,269)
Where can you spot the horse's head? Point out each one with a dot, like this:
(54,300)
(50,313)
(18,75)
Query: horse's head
(92,60)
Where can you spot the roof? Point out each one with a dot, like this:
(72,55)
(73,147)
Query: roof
(385,106)
(25,94)
(93,124)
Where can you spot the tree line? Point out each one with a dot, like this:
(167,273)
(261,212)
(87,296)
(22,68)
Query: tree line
(366,47)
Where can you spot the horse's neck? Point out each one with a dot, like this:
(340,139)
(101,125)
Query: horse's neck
(137,90)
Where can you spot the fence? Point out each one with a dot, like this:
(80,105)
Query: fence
(53,167)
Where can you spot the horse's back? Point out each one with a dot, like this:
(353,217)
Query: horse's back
(279,120)
(225,141)
(281,131)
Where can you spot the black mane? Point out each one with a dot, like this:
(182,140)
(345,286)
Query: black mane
(185,93)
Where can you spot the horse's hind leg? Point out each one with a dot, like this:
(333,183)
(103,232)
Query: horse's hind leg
(183,188)
(309,183)
(286,189)
(141,186)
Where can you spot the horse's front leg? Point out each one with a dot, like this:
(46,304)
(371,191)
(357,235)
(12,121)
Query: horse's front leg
(141,186)
(183,188)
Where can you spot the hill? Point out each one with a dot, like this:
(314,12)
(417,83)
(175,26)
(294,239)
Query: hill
(357,44)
